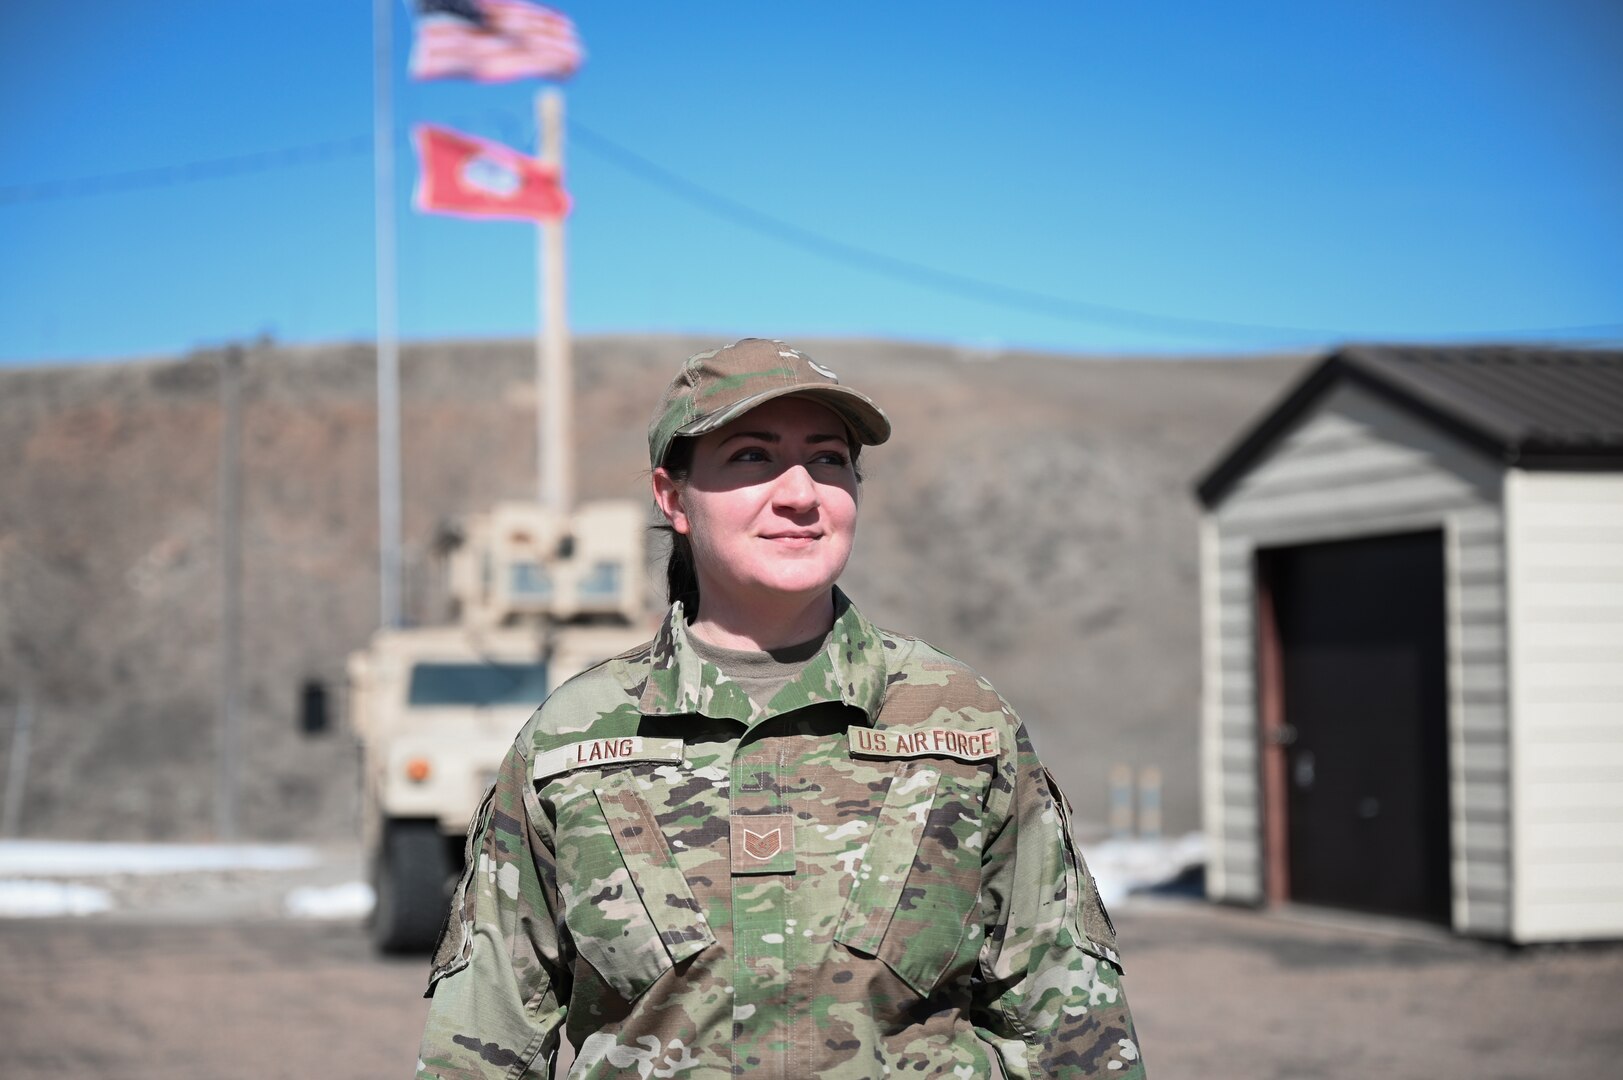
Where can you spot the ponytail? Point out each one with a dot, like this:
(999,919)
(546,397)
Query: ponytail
(681,576)
(681,579)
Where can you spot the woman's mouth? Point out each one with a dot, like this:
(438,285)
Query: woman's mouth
(794,538)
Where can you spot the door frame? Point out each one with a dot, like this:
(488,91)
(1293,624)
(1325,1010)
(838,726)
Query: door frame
(1275,735)
(1272,738)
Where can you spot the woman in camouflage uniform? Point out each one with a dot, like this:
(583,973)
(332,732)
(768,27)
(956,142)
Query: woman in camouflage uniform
(776,839)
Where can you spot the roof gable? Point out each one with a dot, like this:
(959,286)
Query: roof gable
(1532,408)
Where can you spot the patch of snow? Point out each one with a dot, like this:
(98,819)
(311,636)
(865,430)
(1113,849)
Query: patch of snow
(353,900)
(1127,866)
(65,858)
(24,899)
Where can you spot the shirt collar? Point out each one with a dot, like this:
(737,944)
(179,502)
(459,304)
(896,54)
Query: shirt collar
(850,668)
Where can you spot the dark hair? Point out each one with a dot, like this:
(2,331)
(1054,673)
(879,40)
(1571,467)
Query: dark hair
(681,575)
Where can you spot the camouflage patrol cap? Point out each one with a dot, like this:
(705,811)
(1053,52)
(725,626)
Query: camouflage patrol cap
(716,387)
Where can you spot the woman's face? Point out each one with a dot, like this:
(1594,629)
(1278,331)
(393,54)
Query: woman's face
(770,503)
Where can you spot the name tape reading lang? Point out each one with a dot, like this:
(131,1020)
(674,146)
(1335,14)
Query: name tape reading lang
(596,752)
(917,742)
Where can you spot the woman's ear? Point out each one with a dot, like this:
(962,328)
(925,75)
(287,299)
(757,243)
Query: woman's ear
(668,496)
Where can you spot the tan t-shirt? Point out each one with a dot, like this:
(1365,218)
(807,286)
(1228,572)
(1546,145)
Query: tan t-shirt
(760,674)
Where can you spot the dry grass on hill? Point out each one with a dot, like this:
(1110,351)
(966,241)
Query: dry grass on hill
(1033,516)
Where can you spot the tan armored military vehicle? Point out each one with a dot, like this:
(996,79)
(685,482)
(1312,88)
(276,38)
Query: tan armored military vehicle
(538,600)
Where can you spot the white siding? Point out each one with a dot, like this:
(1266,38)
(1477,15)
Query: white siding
(1229,728)
(1564,543)
(1213,746)
(1355,466)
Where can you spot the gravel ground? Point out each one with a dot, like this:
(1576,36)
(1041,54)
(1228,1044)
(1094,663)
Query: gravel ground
(1217,993)
(1308,995)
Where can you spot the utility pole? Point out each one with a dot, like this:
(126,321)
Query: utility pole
(554,376)
(11,814)
(387,348)
(230,734)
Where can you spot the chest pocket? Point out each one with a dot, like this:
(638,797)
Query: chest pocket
(626,903)
(920,877)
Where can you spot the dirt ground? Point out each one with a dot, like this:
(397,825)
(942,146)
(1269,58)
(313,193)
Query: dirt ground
(1216,993)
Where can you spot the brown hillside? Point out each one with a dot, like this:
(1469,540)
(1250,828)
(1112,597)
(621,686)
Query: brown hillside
(1032,516)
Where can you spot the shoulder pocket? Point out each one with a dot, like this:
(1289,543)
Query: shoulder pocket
(920,876)
(455,946)
(628,907)
(1085,914)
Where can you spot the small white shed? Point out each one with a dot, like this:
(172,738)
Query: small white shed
(1412,611)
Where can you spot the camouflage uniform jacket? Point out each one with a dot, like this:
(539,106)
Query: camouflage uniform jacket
(872,875)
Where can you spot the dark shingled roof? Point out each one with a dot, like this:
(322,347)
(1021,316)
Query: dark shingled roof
(1532,408)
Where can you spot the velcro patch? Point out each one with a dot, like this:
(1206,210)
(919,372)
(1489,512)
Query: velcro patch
(922,742)
(597,752)
(763,843)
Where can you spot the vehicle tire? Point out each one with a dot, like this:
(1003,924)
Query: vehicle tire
(412,878)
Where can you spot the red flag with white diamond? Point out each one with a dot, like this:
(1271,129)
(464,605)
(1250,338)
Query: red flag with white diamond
(471,177)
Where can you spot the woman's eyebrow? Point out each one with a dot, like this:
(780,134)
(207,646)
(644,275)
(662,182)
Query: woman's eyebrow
(774,437)
(764,436)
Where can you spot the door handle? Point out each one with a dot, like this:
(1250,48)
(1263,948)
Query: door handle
(1304,773)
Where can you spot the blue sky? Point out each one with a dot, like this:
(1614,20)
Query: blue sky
(1143,177)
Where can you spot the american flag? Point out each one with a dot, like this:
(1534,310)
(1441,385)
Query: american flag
(493,41)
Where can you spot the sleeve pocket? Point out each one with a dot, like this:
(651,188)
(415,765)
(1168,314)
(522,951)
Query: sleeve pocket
(1085,915)
(454,949)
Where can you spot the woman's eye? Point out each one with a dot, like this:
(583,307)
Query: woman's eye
(832,457)
(750,453)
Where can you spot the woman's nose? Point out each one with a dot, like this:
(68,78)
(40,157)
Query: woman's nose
(795,489)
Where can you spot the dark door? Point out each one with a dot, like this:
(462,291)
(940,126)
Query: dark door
(1362,693)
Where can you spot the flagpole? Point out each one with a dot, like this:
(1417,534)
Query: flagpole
(554,377)
(388,360)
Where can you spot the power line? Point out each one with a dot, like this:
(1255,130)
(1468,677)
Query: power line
(757,221)
(219,168)
(911,272)
(187,173)
(966,285)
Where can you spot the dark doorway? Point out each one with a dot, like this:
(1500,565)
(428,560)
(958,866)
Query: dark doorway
(1353,680)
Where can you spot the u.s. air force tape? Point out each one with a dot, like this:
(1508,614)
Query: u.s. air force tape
(915,742)
(596,752)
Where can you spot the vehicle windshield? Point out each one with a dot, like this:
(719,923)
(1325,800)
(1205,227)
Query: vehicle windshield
(477,684)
